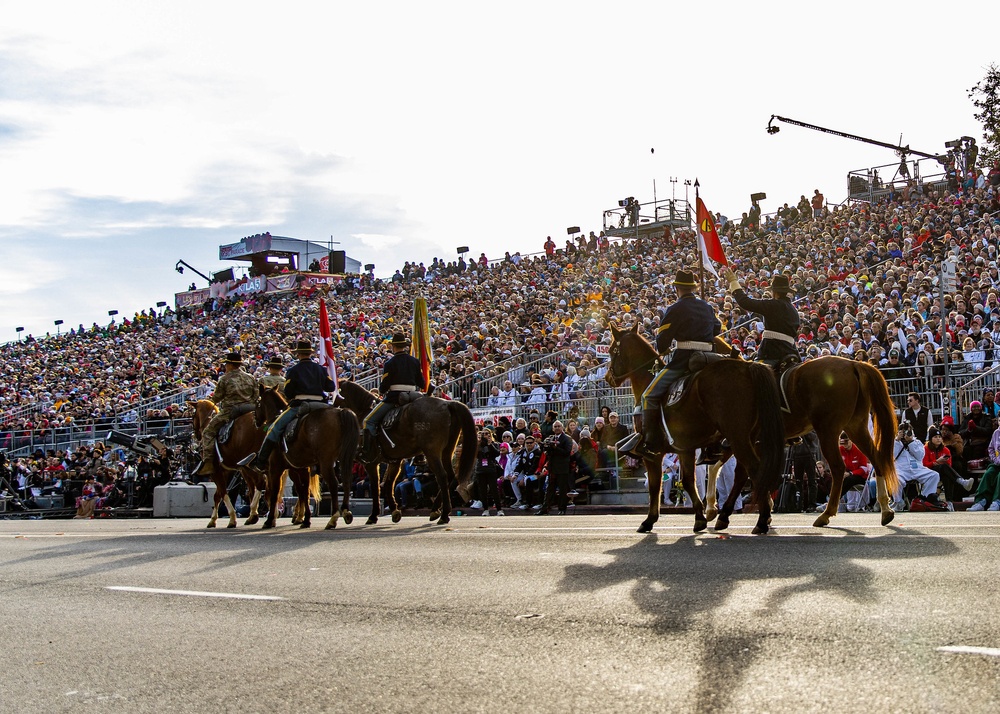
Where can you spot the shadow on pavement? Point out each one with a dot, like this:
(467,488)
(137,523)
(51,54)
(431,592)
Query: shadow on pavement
(683,583)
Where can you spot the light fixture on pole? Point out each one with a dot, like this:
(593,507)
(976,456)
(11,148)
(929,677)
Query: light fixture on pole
(112,313)
(18,330)
(463,249)
(57,323)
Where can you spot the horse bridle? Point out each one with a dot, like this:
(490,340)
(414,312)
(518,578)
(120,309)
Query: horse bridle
(621,378)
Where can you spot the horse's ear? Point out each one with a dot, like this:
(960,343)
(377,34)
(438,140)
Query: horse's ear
(260,389)
(191,404)
(635,327)
(615,332)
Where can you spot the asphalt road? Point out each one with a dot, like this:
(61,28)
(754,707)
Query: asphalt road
(519,614)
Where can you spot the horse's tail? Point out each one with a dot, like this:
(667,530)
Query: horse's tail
(872,383)
(461,418)
(770,426)
(350,429)
(314,491)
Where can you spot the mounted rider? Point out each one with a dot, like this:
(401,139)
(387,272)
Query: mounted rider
(401,373)
(235,387)
(273,378)
(693,324)
(305,382)
(781,319)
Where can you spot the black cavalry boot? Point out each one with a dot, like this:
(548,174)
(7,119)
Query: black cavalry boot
(258,462)
(654,439)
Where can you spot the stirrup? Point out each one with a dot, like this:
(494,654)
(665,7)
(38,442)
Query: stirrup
(247,460)
(633,441)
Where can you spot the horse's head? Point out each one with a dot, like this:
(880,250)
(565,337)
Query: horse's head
(204,410)
(269,405)
(629,353)
(356,398)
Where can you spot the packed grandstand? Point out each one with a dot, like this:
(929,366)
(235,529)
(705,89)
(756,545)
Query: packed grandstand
(531,332)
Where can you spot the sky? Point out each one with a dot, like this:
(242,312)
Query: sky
(136,134)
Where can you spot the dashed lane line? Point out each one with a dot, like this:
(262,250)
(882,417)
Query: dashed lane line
(191,593)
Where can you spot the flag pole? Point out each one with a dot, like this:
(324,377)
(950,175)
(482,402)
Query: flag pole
(701,256)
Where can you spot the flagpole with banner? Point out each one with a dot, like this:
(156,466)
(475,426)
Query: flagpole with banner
(420,345)
(326,359)
(709,244)
(701,243)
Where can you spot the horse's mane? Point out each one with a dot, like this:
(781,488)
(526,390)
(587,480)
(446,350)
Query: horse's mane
(278,395)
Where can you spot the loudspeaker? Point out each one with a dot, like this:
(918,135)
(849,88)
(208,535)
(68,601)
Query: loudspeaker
(338,260)
(757,197)
(223,275)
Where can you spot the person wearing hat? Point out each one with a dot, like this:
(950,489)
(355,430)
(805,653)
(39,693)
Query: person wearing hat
(305,381)
(235,387)
(273,378)
(401,373)
(781,319)
(692,323)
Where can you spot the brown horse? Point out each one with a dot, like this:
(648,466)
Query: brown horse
(726,399)
(834,395)
(428,426)
(324,438)
(245,439)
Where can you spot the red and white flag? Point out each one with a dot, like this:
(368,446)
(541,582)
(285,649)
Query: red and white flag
(708,240)
(326,347)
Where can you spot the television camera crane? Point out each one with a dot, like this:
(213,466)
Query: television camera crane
(956,153)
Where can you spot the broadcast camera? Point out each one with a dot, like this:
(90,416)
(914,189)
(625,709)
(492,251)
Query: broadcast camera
(148,445)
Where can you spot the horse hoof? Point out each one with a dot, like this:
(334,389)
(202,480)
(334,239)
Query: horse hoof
(443,520)
(887,517)
(347,516)
(305,524)
(435,515)
(700,524)
(267,524)
(397,515)
(211,525)
(760,530)
(231,525)
(645,527)
(722,524)
(329,526)
(252,521)
(372,520)
(822,520)
(711,513)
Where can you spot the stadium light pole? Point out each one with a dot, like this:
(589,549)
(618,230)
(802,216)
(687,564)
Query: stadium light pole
(57,323)
(18,330)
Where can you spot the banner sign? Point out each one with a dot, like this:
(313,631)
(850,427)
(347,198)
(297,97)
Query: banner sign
(191,297)
(247,246)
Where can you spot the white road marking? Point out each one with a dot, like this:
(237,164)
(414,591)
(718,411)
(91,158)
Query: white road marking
(191,593)
(963,649)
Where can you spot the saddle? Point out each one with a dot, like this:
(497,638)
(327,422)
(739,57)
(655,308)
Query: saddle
(227,429)
(305,408)
(392,418)
(697,362)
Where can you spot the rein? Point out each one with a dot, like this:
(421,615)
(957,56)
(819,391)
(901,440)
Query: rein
(645,365)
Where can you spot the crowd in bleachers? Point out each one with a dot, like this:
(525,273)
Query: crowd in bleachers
(864,277)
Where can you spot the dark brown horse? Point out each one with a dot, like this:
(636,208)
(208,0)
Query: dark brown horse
(245,439)
(324,438)
(428,426)
(834,395)
(726,399)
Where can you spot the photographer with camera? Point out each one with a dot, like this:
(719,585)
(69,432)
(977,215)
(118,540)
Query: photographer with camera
(487,453)
(557,449)
(909,457)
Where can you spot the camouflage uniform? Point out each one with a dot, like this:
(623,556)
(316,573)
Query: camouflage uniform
(234,388)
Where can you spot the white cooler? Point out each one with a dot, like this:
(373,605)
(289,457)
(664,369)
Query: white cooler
(183,500)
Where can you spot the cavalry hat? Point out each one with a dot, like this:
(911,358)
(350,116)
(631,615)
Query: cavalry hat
(780,282)
(303,346)
(685,278)
(233,358)
(399,340)
(275,362)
